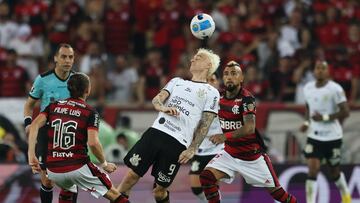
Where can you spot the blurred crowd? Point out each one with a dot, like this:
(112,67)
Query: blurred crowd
(131,48)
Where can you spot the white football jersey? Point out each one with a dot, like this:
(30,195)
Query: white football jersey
(207,147)
(191,99)
(324,100)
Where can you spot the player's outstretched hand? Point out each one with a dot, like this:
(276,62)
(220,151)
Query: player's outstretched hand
(170,111)
(218,138)
(110,167)
(34,163)
(186,155)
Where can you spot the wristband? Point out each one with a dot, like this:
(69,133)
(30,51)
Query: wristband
(228,135)
(104,164)
(326,117)
(306,123)
(27,121)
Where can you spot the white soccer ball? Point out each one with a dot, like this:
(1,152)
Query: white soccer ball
(202,26)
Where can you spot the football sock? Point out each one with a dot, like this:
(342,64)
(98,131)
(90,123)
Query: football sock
(198,192)
(311,189)
(282,196)
(211,189)
(340,182)
(67,197)
(122,199)
(46,194)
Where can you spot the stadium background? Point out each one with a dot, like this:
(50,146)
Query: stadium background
(130,49)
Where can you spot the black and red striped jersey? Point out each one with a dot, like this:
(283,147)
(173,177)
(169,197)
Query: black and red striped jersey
(231,118)
(68,123)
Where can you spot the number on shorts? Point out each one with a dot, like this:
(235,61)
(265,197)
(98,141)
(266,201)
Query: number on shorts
(63,138)
(172,169)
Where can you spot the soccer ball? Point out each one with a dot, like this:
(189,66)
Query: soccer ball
(202,26)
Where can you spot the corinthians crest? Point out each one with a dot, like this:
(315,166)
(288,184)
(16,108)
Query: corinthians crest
(134,160)
(201,93)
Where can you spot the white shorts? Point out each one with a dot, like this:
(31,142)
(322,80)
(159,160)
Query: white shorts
(89,178)
(258,173)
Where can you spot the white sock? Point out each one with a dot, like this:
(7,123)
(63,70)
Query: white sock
(201,198)
(342,185)
(311,190)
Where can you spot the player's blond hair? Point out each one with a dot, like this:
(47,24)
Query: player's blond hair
(214,59)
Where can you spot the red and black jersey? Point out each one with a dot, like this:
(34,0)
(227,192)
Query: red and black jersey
(68,122)
(231,118)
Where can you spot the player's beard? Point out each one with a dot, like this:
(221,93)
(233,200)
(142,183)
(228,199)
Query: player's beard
(231,87)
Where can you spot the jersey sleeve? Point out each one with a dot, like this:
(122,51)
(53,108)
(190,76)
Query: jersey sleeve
(46,111)
(36,90)
(93,121)
(171,84)
(249,105)
(212,101)
(339,94)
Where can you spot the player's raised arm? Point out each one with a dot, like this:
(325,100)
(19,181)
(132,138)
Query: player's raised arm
(199,135)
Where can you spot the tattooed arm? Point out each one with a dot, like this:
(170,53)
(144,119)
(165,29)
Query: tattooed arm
(247,129)
(199,135)
(159,99)
(158,103)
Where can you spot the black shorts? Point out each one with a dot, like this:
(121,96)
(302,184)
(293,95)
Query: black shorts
(198,163)
(158,149)
(41,146)
(328,150)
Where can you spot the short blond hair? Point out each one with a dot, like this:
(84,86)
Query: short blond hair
(214,59)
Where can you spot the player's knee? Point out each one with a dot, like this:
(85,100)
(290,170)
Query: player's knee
(207,178)
(47,183)
(196,190)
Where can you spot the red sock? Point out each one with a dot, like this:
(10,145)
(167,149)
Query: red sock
(122,199)
(282,196)
(211,189)
(67,196)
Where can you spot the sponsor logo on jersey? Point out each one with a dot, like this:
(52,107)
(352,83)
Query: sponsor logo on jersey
(235,109)
(230,125)
(177,103)
(251,106)
(62,154)
(32,89)
(162,120)
(163,178)
(214,103)
(135,159)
